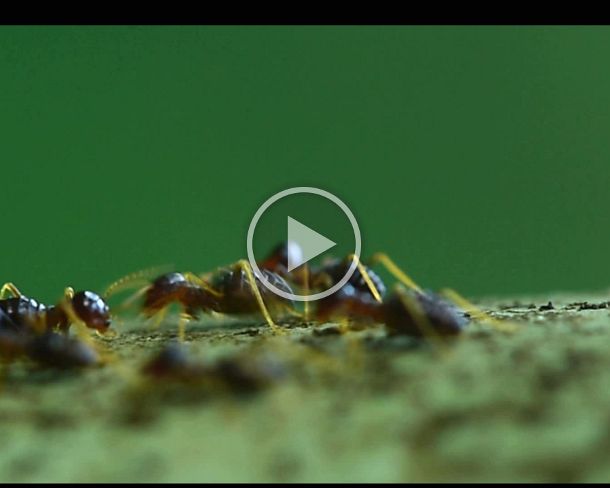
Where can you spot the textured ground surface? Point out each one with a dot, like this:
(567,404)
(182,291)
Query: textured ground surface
(533,405)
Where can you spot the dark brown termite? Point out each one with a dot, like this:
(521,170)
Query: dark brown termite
(243,372)
(84,308)
(407,310)
(48,349)
(231,290)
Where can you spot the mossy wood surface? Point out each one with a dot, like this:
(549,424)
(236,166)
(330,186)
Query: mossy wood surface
(358,406)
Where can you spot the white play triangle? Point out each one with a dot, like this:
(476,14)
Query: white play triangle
(311,242)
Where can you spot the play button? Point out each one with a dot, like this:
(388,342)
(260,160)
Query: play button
(305,243)
(308,240)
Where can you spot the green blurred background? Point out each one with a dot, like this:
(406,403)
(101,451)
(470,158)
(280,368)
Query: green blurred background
(479,157)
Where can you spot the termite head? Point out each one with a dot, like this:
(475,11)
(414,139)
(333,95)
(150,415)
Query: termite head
(92,310)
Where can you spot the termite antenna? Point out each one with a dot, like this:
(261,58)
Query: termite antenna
(134,279)
(9,288)
(133,297)
(69,293)
(392,268)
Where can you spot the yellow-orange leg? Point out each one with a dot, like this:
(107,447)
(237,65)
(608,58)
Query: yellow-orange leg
(306,290)
(394,270)
(201,282)
(343,323)
(245,265)
(80,327)
(9,288)
(184,319)
(159,316)
(107,357)
(366,276)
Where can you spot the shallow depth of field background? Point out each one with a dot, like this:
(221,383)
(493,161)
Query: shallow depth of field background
(479,157)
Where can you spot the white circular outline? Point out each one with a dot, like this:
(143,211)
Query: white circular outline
(291,191)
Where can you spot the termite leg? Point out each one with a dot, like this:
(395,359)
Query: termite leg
(80,328)
(399,274)
(199,281)
(476,313)
(306,290)
(366,276)
(343,325)
(9,288)
(245,265)
(184,319)
(159,316)
(294,313)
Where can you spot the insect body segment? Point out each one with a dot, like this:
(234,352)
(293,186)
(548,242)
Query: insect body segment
(178,288)
(402,312)
(320,278)
(243,372)
(85,307)
(407,310)
(237,291)
(230,290)
(21,313)
(46,348)
(60,351)
(363,279)
(422,314)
